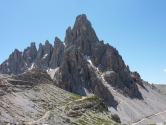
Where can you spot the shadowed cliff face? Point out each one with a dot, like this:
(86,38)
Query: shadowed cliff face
(83,63)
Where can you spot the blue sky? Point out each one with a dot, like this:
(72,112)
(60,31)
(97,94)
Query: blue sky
(136,28)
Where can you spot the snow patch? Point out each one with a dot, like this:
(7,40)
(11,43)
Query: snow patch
(52,72)
(7,63)
(52,69)
(88,59)
(32,66)
(49,70)
(45,56)
(103,78)
(64,44)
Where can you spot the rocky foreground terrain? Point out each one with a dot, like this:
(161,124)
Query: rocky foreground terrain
(31,98)
(104,87)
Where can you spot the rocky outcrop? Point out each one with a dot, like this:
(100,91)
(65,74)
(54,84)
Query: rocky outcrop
(116,118)
(137,78)
(94,103)
(37,76)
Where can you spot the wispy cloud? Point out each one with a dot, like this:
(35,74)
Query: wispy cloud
(164,70)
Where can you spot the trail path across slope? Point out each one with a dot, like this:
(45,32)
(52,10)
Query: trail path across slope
(48,112)
(149,117)
(43,117)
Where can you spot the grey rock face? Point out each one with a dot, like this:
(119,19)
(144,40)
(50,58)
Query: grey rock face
(47,52)
(29,55)
(13,64)
(58,53)
(44,54)
(82,35)
(18,62)
(99,89)
(73,73)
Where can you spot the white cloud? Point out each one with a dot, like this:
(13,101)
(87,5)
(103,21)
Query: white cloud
(164,70)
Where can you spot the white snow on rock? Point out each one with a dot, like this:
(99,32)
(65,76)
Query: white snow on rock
(51,72)
(89,60)
(32,66)
(64,44)
(45,56)
(98,67)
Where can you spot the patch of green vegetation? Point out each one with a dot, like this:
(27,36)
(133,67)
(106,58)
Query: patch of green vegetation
(152,124)
(45,107)
(93,98)
(89,119)
(14,94)
(102,121)
(73,123)
(75,97)
(67,108)
(54,100)
(50,116)
(82,122)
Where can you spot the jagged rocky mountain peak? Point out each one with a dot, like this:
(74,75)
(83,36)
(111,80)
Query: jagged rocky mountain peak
(40,45)
(82,34)
(57,40)
(47,42)
(81,64)
(82,21)
(33,44)
(16,51)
